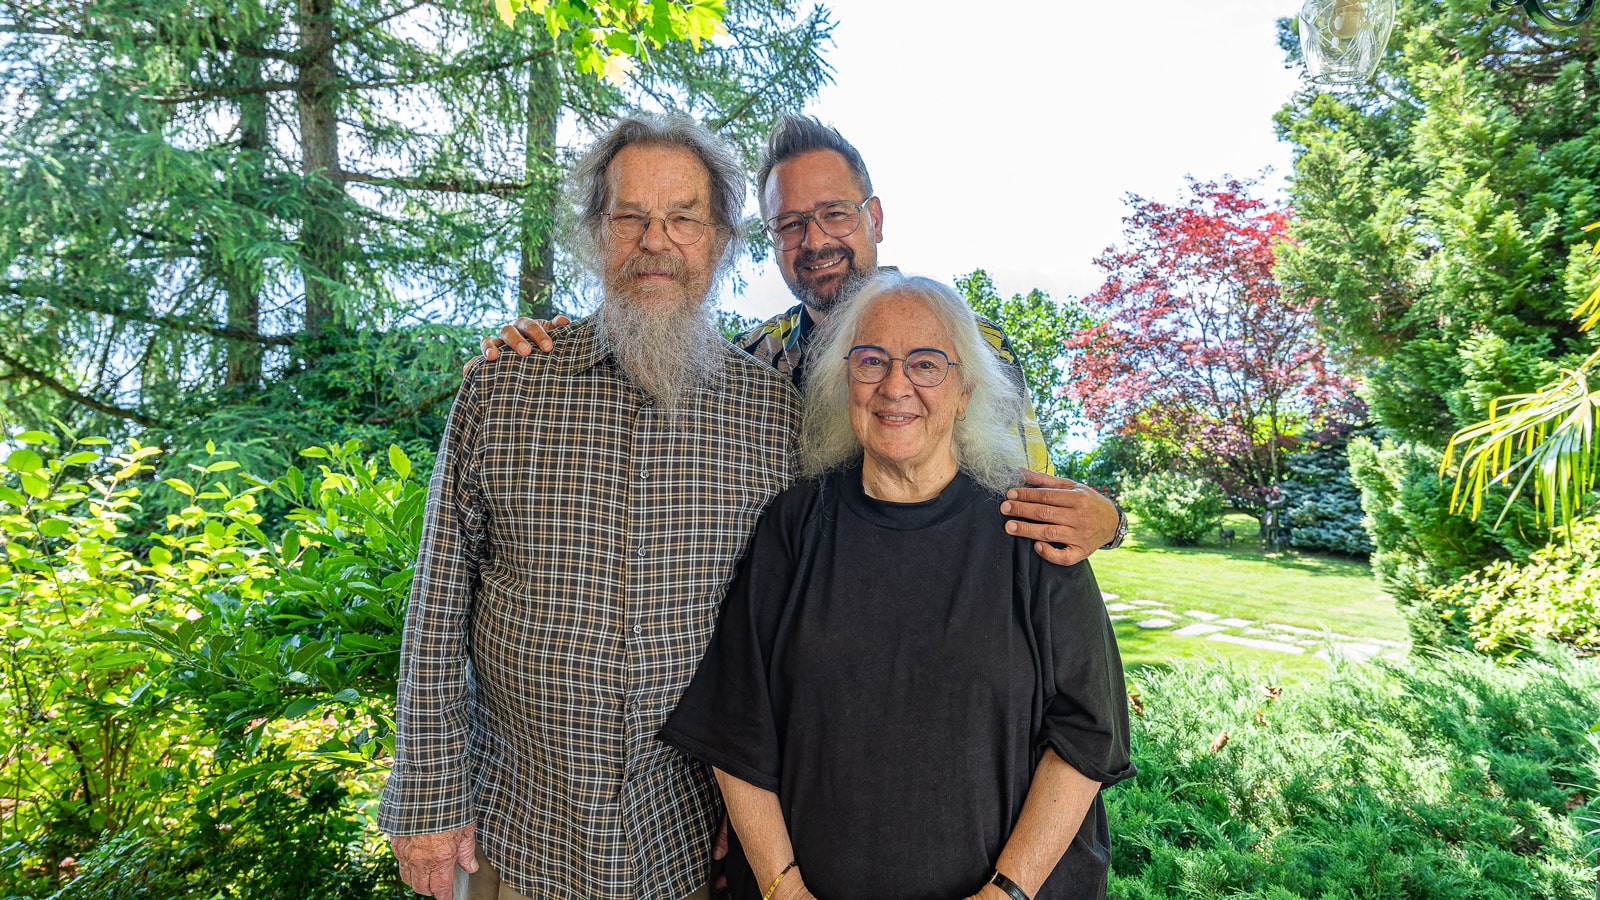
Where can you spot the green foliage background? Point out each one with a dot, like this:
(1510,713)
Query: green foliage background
(1181,508)
(1438,216)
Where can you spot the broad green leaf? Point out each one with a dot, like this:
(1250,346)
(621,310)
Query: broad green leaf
(399,461)
(34,485)
(36,437)
(181,486)
(24,460)
(81,457)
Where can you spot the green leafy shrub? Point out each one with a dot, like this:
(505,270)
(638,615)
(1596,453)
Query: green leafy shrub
(1180,508)
(273,841)
(160,682)
(1554,596)
(1447,776)
(1422,547)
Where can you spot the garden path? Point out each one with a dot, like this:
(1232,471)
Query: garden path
(1271,636)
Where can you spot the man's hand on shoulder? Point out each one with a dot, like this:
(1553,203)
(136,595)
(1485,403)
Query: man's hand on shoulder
(428,861)
(522,336)
(1066,520)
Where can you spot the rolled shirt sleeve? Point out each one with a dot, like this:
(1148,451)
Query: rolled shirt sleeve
(1086,710)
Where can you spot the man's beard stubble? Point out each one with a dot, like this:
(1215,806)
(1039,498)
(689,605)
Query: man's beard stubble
(851,282)
(669,346)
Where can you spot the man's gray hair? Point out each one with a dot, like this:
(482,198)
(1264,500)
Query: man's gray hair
(987,441)
(794,135)
(590,195)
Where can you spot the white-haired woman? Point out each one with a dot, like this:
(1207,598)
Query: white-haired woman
(901,701)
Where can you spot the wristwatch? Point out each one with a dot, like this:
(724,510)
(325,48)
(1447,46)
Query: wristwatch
(1012,889)
(1122,530)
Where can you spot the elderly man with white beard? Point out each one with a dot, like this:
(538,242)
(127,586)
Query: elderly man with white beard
(586,511)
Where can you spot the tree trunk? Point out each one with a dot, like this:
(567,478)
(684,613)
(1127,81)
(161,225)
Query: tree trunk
(536,278)
(322,230)
(242,278)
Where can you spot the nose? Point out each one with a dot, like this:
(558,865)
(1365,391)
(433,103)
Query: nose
(822,237)
(655,240)
(896,384)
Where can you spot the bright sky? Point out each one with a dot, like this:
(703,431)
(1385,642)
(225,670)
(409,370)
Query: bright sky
(1005,135)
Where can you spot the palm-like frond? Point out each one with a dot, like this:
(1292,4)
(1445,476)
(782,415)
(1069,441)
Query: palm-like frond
(1546,439)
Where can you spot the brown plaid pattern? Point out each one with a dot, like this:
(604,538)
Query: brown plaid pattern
(577,543)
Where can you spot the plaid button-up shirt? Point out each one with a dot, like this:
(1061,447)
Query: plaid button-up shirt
(576,547)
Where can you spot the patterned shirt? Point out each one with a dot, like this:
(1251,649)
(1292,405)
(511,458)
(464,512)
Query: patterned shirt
(784,340)
(576,547)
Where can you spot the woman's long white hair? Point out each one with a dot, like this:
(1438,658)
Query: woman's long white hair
(987,441)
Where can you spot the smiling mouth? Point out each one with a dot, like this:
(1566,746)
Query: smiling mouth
(895,418)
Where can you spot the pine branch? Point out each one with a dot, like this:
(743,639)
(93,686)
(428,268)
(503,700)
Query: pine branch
(94,403)
(364,28)
(175,323)
(449,185)
(425,404)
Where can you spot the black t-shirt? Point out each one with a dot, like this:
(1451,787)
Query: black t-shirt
(893,672)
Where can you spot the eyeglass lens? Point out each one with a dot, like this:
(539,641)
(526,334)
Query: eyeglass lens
(681,229)
(838,219)
(923,368)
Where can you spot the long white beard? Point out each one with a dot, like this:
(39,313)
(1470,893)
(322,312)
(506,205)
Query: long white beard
(669,351)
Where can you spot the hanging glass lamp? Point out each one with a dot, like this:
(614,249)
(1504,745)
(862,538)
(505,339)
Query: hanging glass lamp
(1343,40)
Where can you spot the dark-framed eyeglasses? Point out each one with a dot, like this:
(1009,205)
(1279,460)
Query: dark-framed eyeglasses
(924,366)
(681,229)
(838,219)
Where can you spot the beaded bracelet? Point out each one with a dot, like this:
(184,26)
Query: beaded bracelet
(776,881)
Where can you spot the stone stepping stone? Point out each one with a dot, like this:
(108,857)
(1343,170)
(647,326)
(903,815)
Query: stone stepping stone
(1118,617)
(1198,628)
(1295,629)
(1120,607)
(1201,614)
(1107,597)
(1236,623)
(1255,643)
(1147,603)
(1154,623)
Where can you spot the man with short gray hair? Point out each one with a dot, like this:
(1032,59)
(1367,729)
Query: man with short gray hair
(585,514)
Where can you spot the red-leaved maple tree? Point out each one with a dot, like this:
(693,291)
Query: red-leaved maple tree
(1197,350)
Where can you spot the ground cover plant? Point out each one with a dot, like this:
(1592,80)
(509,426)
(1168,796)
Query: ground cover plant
(1445,776)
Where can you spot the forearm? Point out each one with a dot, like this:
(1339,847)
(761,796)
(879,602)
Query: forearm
(1052,813)
(757,819)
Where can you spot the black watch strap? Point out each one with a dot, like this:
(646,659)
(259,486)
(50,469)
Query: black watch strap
(1010,887)
(1122,531)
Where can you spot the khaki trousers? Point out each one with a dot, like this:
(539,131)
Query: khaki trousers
(485,884)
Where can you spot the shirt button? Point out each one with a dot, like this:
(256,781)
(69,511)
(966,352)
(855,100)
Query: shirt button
(637,630)
(643,475)
(641,551)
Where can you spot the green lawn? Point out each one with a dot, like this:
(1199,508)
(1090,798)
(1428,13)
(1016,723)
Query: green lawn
(1323,593)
